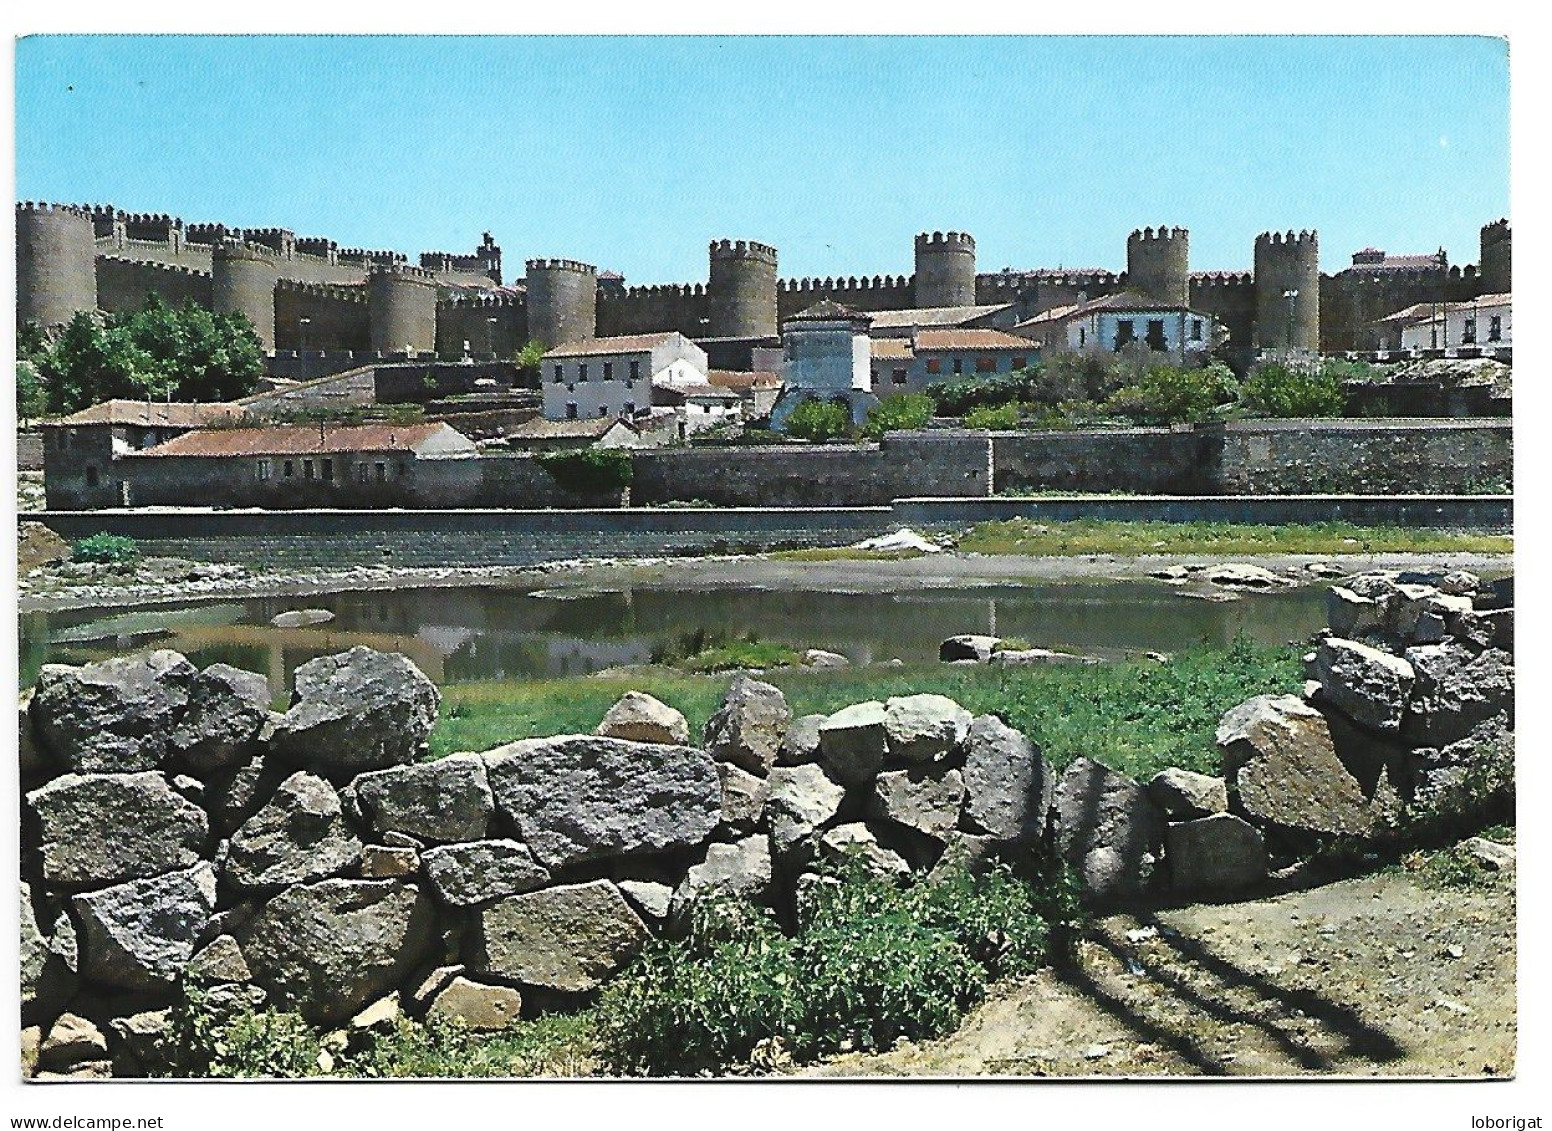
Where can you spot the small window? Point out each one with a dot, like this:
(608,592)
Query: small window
(1156,338)
(1196,329)
(1126,331)
(307,469)
(986,365)
(558,376)
(571,410)
(382,472)
(1020,362)
(897,377)
(398,468)
(328,470)
(608,371)
(582,371)
(635,370)
(289,469)
(1083,336)
(363,472)
(1469,337)
(959,366)
(1495,328)
(603,411)
(934,365)
(263,469)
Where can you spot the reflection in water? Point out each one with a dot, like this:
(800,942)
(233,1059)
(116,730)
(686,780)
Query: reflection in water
(458,635)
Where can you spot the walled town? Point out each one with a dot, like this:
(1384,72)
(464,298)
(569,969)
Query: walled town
(1044,671)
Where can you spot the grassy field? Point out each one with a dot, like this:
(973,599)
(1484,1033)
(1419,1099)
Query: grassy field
(1098,536)
(1136,716)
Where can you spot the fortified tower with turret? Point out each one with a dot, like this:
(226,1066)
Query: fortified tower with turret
(1497,244)
(741,290)
(562,301)
(56,263)
(242,281)
(402,307)
(945,269)
(1287,275)
(1158,264)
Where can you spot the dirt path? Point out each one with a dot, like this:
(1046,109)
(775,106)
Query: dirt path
(1376,976)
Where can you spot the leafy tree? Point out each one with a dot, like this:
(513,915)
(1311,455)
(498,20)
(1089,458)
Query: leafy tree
(898,413)
(590,469)
(819,420)
(529,356)
(1165,394)
(31,395)
(998,418)
(1281,390)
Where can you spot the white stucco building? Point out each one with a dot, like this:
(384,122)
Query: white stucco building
(607,377)
(927,357)
(825,355)
(1485,322)
(1111,322)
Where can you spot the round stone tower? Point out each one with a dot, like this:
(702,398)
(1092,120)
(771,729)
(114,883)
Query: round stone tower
(1497,243)
(562,301)
(242,281)
(1287,282)
(945,269)
(1158,264)
(741,290)
(402,309)
(56,263)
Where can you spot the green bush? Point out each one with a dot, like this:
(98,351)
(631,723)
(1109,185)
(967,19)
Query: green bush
(1280,390)
(898,413)
(870,961)
(590,469)
(1165,394)
(819,421)
(105,549)
(997,418)
(242,1043)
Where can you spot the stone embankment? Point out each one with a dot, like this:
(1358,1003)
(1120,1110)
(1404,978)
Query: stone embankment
(183,840)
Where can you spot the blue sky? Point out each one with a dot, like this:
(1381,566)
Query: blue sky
(633,153)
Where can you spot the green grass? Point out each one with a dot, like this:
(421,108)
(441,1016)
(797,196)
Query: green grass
(1134,716)
(1096,536)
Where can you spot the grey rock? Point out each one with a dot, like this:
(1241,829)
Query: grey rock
(581,797)
(819,658)
(743,797)
(853,743)
(99,829)
(69,1041)
(567,938)
(34,946)
(857,842)
(748,728)
(1239,575)
(1281,763)
(1032,657)
(114,716)
(965,852)
(379,1017)
(1368,685)
(1351,615)
(1480,629)
(219,962)
(301,618)
(427,982)
(31,757)
(478,1008)
(463,874)
(1490,854)
(1217,855)
(235,793)
(65,944)
(436,802)
(231,999)
(919,800)
(329,948)
(1009,787)
(652,900)
(300,835)
(395,839)
(977,649)
(741,870)
(139,935)
(380,862)
(924,728)
(227,709)
(358,710)
(145,1040)
(803,800)
(1466,782)
(801,742)
(638,717)
(1184,794)
(1107,829)
(1456,690)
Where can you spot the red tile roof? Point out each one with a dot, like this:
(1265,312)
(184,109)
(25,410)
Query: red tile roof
(628,343)
(301,439)
(152,414)
(936,340)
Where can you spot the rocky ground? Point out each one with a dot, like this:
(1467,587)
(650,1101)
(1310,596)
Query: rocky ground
(1384,975)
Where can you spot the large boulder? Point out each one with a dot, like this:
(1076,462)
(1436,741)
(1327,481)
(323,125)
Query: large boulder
(1281,764)
(235,793)
(857,843)
(1351,614)
(358,710)
(743,797)
(437,802)
(71,1040)
(1366,684)
(139,935)
(582,797)
(115,716)
(481,870)
(568,938)
(741,870)
(31,758)
(853,743)
(1184,795)
(924,728)
(300,835)
(971,647)
(1009,787)
(329,948)
(227,709)
(476,1007)
(34,946)
(1456,690)
(748,728)
(98,829)
(1108,829)
(801,742)
(1217,855)
(803,800)
(918,799)
(638,717)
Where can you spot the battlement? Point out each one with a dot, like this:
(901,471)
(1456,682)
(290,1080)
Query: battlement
(339,292)
(403,271)
(743,249)
(1223,279)
(575,265)
(45,208)
(152,265)
(233,248)
(319,246)
(367,257)
(655,290)
(482,299)
(945,241)
(869,283)
(1497,231)
(1157,235)
(1290,240)
(210,233)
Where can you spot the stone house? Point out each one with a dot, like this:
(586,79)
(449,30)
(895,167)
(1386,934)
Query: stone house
(541,435)
(900,365)
(1114,321)
(610,377)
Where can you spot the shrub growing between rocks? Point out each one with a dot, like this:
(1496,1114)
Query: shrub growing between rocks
(105,549)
